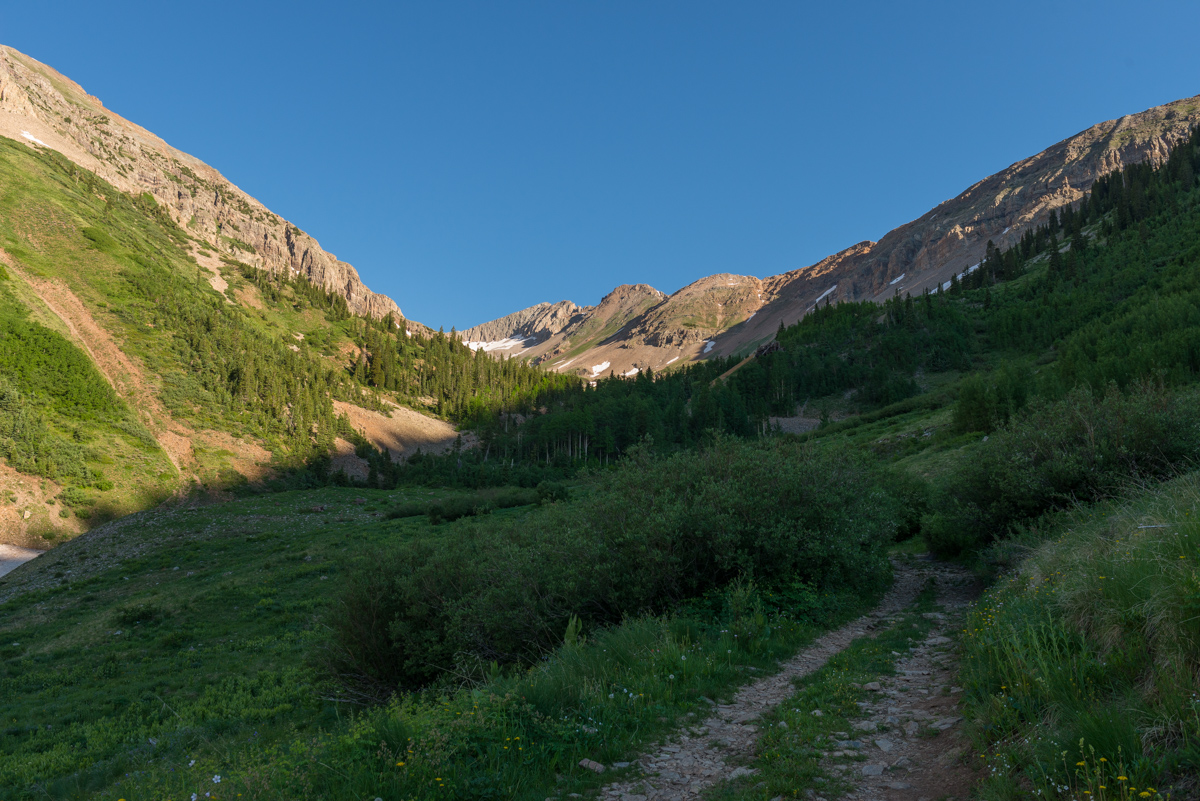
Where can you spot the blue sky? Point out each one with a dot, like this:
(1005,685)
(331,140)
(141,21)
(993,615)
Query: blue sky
(471,159)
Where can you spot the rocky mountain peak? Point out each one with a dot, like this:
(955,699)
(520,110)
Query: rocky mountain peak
(43,108)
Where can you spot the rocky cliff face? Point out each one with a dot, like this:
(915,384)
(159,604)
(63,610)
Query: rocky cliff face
(538,322)
(724,314)
(557,333)
(43,108)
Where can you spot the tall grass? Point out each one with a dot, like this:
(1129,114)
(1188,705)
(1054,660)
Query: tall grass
(516,733)
(1090,653)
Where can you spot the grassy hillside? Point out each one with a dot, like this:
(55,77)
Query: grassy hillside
(162,372)
(1081,667)
(171,647)
(60,420)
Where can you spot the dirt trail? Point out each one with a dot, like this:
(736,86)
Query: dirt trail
(709,752)
(911,737)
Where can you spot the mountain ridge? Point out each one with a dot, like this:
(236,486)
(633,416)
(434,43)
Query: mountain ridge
(912,258)
(42,107)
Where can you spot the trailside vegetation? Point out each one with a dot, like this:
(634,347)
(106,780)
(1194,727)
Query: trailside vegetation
(1079,449)
(581,626)
(1080,667)
(651,534)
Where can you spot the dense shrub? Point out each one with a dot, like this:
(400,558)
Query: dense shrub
(1080,448)
(45,365)
(653,533)
(30,446)
(552,492)
(479,503)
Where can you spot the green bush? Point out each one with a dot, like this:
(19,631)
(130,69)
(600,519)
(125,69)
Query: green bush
(552,491)
(1080,448)
(451,509)
(102,240)
(480,503)
(44,365)
(30,446)
(408,509)
(654,533)
(912,494)
(74,496)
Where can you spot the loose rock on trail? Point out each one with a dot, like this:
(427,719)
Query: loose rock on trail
(906,763)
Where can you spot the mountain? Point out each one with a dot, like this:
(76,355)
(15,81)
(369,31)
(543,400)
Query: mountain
(557,334)
(163,332)
(725,315)
(43,107)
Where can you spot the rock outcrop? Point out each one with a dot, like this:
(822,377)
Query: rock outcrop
(43,108)
(538,322)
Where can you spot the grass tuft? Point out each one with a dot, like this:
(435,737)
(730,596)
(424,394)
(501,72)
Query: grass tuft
(1091,651)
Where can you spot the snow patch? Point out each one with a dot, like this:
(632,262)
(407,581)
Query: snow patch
(597,369)
(33,139)
(502,344)
(709,345)
(751,316)
(1006,230)
(963,274)
(825,294)
(896,280)
(634,371)
(563,364)
(673,359)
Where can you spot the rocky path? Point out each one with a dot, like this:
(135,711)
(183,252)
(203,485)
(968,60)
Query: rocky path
(709,752)
(911,738)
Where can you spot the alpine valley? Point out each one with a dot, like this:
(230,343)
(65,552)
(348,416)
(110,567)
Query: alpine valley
(917,521)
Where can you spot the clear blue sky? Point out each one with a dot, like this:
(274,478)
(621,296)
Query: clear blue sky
(471,159)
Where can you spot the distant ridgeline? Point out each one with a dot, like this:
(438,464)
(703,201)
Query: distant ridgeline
(1106,291)
(265,356)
